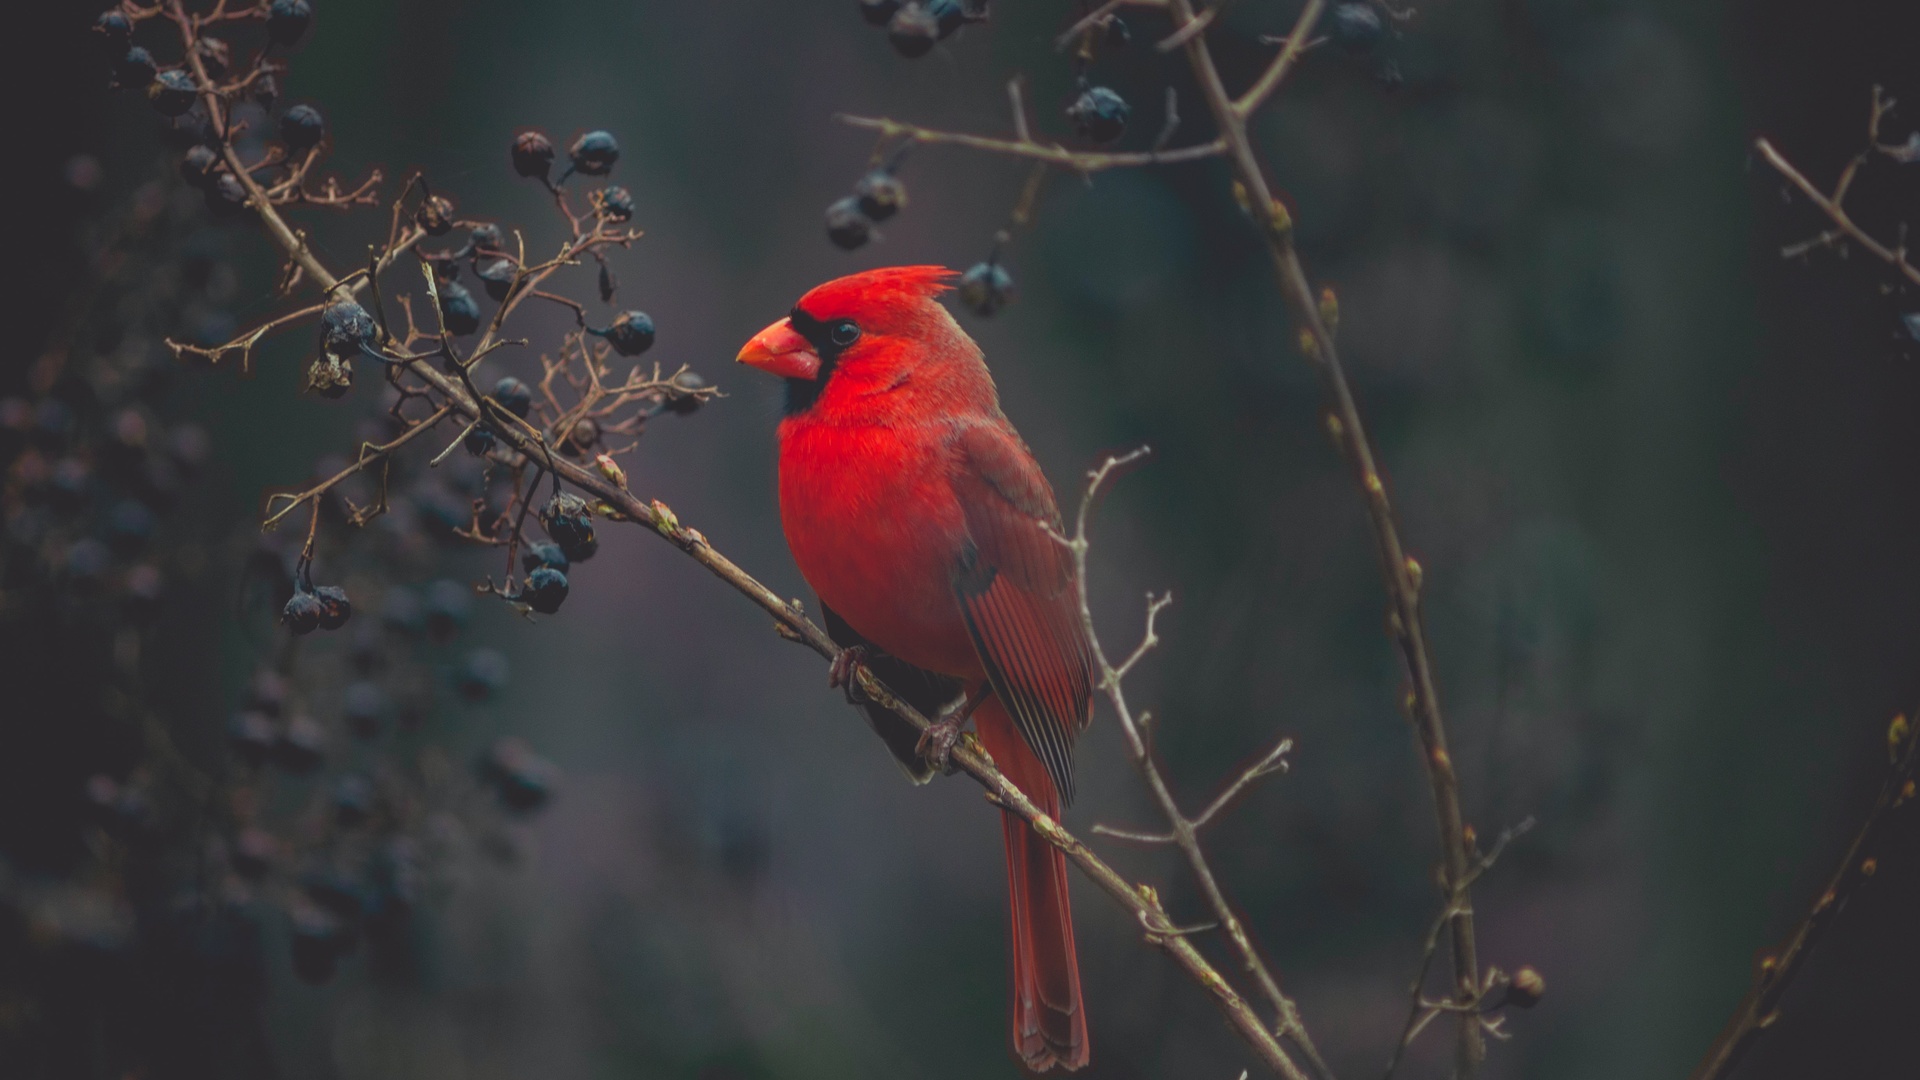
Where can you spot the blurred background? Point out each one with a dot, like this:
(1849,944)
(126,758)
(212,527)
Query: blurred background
(1660,480)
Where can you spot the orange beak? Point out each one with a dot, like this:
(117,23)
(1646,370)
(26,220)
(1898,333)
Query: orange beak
(780,350)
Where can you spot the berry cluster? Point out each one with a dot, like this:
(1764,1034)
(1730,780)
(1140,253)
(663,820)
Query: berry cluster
(877,196)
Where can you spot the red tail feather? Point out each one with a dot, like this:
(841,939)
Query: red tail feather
(1049,1017)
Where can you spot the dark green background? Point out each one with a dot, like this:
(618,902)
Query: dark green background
(1660,482)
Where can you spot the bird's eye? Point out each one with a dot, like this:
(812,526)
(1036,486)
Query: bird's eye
(844,333)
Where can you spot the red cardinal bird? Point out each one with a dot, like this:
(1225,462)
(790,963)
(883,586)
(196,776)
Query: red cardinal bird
(920,517)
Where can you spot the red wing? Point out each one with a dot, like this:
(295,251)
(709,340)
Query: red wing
(1015,586)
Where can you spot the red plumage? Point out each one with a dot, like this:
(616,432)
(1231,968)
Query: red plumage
(920,518)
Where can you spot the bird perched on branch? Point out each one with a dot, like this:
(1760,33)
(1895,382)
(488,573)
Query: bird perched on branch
(920,518)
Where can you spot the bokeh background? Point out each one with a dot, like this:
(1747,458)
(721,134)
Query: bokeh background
(1661,482)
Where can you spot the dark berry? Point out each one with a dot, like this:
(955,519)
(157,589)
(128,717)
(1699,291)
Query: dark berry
(847,227)
(880,195)
(448,605)
(546,587)
(913,31)
(364,706)
(1355,27)
(581,437)
(264,91)
(483,675)
(948,15)
(251,734)
(631,333)
(616,203)
(226,195)
(487,236)
(687,402)
(303,613)
(1099,114)
(301,747)
(566,519)
(496,276)
(514,396)
(539,554)
(199,165)
(114,30)
(336,608)
(594,153)
(345,328)
(532,155)
(287,21)
(479,442)
(986,288)
(458,309)
(302,127)
(135,68)
(877,12)
(172,93)
(434,216)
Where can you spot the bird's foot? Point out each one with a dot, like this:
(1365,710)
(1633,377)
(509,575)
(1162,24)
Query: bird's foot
(936,743)
(845,672)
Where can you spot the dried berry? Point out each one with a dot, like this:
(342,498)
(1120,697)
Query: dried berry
(631,333)
(199,166)
(496,276)
(478,442)
(532,155)
(877,12)
(487,236)
(458,309)
(345,328)
(687,401)
(539,554)
(287,21)
(434,216)
(172,93)
(581,437)
(847,227)
(303,612)
(948,15)
(335,608)
(330,377)
(986,288)
(1526,989)
(1099,114)
(302,128)
(1355,27)
(482,675)
(616,203)
(546,587)
(134,69)
(913,31)
(114,30)
(566,519)
(594,153)
(513,396)
(880,195)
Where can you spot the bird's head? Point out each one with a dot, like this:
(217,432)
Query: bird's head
(866,332)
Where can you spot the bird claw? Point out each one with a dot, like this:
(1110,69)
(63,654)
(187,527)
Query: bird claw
(937,742)
(845,672)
